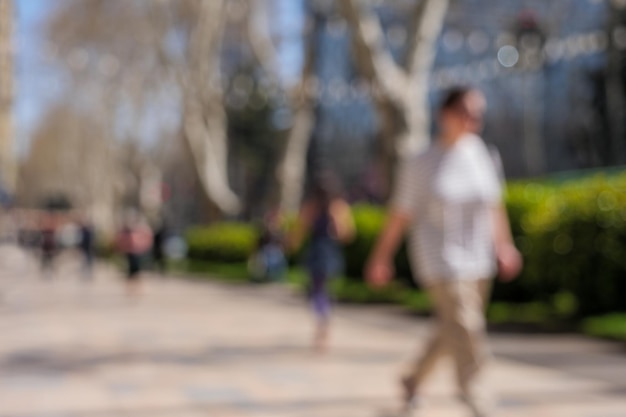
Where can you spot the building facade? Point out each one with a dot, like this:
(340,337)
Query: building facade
(535,61)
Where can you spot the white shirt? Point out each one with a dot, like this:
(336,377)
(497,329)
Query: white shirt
(450,193)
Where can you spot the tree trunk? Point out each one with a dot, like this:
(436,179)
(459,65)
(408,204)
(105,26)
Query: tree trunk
(401,93)
(293,168)
(204,117)
(291,173)
(615,102)
(7,161)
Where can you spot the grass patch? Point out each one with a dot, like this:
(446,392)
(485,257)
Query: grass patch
(612,326)
(297,278)
(354,292)
(519,313)
(539,315)
(416,302)
(225,272)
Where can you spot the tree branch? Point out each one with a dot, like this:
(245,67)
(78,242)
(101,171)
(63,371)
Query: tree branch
(371,55)
(428,20)
(205,119)
(293,167)
(260,39)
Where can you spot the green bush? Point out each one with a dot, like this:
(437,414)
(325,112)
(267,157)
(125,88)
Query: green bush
(521,200)
(572,236)
(574,240)
(226,242)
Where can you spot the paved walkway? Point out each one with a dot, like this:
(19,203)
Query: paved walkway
(187,349)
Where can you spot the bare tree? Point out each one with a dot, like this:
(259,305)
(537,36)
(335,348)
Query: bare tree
(7,163)
(291,171)
(139,35)
(65,158)
(401,91)
(204,115)
(615,87)
(106,47)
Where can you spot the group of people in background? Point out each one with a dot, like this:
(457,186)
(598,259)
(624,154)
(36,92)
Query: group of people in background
(50,233)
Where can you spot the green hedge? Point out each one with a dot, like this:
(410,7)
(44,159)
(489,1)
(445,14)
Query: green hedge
(225,272)
(227,242)
(572,235)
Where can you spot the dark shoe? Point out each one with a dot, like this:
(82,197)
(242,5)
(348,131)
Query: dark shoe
(409,398)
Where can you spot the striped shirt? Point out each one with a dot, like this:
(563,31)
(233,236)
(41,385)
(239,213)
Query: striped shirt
(450,195)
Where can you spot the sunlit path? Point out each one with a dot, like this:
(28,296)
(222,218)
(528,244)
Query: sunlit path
(75,348)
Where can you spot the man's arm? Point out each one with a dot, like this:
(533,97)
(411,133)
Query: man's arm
(380,270)
(509,258)
(407,193)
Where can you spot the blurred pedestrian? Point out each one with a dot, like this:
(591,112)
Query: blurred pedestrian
(134,240)
(326,219)
(268,263)
(450,197)
(159,257)
(48,243)
(86,246)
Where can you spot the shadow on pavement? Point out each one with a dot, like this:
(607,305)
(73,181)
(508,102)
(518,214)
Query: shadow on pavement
(48,360)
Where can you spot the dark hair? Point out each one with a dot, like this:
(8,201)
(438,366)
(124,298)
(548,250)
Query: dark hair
(455,96)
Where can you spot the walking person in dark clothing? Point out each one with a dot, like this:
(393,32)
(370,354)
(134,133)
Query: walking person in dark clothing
(158,247)
(48,243)
(87,247)
(326,217)
(268,262)
(134,241)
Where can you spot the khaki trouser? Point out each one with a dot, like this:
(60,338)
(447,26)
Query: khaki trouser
(461,332)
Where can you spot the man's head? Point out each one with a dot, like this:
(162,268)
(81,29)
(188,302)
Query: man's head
(462,111)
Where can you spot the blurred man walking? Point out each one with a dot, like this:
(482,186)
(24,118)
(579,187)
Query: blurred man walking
(450,196)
